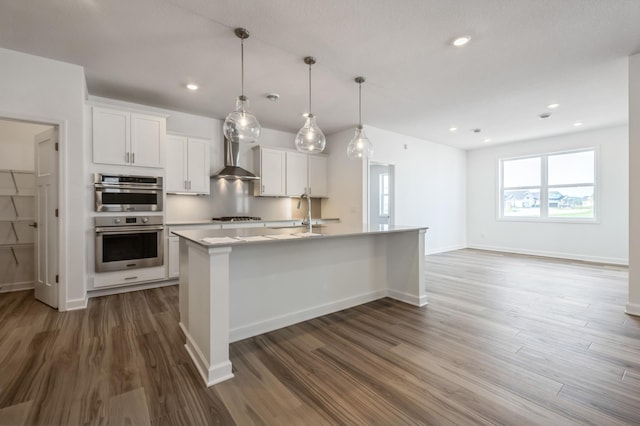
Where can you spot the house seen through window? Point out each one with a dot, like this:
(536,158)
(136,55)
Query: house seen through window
(549,186)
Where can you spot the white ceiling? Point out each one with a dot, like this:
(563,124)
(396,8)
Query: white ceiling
(524,55)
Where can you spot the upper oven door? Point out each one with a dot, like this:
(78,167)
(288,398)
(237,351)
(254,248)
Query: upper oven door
(130,199)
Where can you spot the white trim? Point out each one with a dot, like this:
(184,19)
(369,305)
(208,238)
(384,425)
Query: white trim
(76,304)
(129,288)
(24,285)
(558,255)
(407,298)
(437,250)
(633,309)
(286,320)
(211,374)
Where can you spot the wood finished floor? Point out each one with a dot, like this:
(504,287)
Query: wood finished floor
(506,339)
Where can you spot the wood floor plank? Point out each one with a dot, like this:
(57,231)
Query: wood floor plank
(505,339)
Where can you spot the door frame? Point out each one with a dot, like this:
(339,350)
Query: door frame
(62,245)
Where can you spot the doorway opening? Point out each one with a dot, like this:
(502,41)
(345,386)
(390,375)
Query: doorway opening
(381,194)
(28,236)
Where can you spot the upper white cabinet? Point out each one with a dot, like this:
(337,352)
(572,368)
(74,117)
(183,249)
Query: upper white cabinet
(128,138)
(318,175)
(271,169)
(290,173)
(188,165)
(297,173)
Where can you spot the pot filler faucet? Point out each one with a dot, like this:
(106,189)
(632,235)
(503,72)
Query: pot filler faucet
(306,221)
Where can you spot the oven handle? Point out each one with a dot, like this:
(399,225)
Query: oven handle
(103,187)
(114,230)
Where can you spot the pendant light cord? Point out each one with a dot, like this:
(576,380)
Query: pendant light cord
(360,104)
(242,67)
(309,89)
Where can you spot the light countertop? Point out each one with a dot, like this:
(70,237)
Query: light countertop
(257,222)
(265,235)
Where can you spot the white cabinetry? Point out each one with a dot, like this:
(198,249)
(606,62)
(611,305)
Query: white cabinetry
(290,173)
(174,257)
(297,173)
(188,167)
(271,168)
(318,175)
(128,138)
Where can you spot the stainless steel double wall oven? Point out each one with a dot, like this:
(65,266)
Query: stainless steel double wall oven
(131,241)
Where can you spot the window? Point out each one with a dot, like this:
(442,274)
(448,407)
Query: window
(555,186)
(384,194)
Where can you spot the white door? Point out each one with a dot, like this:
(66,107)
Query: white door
(46,241)
(380,194)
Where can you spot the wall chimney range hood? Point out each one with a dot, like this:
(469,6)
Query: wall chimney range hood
(231,170)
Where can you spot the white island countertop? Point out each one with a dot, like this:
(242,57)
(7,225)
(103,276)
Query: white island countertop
(228,237)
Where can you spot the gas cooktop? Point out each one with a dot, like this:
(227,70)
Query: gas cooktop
(237,218)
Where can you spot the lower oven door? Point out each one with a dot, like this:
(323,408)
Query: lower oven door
(128,247)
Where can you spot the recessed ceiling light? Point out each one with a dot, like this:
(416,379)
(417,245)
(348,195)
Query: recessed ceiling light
(272,96)
(553,106)
(544,115)
(192,86)
(476,130)
(577,124)
(461,41)
(453,129)
(487,140)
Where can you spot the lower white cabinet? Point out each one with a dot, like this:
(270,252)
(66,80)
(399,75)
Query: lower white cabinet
(188,165)
(174,257)
(133,276)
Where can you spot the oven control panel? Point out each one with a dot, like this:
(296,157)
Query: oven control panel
(128,221)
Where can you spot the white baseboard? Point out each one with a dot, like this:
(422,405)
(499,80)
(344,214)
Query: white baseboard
(76,304)
(633,309)
(211,374)
(559,255)
(26,285)
(444,249)
(127,289)
(407,298)
(254,329)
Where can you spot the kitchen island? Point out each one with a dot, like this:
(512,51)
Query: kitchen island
(239,283)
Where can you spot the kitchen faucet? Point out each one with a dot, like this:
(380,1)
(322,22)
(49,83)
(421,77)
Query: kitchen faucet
(306,221)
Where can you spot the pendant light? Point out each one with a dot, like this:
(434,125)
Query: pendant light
(240,125)
(360,146)
(310,138)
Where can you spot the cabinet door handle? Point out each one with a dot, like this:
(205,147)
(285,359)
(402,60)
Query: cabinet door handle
(189,184)
(185,185)
(131,278)
(126,157)
(133,157)
(262,188)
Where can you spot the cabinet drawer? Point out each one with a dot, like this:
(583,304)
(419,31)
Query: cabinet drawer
(133,276)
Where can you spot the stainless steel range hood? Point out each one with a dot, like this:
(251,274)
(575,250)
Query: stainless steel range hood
(231,170)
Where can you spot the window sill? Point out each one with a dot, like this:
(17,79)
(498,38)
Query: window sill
(590,221)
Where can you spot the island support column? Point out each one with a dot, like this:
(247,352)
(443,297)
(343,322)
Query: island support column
(405,267)
(207,325)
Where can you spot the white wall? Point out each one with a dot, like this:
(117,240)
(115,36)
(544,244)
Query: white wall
(43,90)
(17,144)
(633,307)
(605,241)
(430,185)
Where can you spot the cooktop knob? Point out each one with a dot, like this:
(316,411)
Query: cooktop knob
(145,219)
(117,221)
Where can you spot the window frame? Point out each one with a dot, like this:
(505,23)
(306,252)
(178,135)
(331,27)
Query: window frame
(545,188)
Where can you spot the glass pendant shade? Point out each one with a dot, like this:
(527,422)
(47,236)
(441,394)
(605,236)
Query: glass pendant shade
(240,125)
(360,146)
(310,138)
